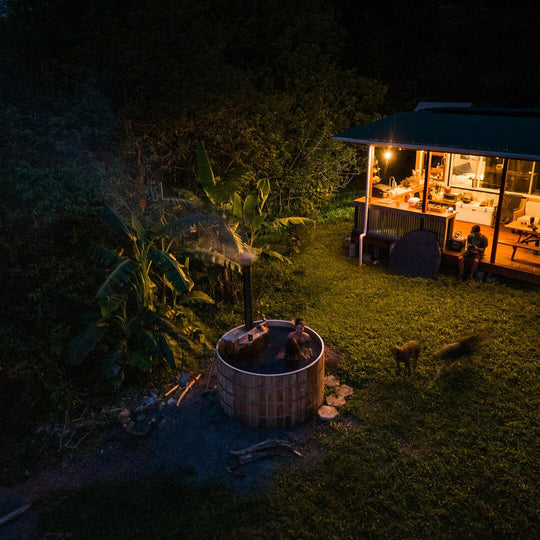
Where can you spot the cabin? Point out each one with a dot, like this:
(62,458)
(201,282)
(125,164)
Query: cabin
(447,167)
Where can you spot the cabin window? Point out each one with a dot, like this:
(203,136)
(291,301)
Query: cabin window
(476,172)
(522,177)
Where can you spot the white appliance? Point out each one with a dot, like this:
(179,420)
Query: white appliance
(474,213)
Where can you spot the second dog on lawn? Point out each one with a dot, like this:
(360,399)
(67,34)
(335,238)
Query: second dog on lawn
(407,355)
(464,346)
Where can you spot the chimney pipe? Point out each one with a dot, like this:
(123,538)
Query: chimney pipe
(246,260)
(248,294)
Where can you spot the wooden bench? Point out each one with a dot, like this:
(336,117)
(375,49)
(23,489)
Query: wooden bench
(516,245)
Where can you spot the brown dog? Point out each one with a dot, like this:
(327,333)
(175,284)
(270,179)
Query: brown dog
(462,347)
(408,355)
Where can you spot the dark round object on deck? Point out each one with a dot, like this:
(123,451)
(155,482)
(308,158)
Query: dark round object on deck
(265,390)
(467,198)
(417,254)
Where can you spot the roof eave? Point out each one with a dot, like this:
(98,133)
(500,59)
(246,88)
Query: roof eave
(454,150)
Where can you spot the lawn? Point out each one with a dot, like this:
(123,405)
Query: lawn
(449,452)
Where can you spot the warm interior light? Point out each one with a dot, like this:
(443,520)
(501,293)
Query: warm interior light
(387,155)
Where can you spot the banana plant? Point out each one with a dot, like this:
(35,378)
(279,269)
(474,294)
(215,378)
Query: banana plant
(255,220)
(249,216)
(144,300)
(218,191)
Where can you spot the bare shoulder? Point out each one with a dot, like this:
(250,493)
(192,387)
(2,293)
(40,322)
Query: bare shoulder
(290,335)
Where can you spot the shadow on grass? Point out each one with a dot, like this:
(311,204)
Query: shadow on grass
(161,507)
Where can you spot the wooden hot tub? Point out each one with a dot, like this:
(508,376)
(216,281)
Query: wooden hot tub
(271,399)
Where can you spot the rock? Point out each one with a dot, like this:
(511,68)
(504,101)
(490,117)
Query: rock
(330,380)
(327,413)
(147,402)
(335,401)
(171,402)
(345,390)
(331,358)
(161,405)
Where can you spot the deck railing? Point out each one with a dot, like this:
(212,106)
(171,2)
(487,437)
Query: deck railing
(393,223)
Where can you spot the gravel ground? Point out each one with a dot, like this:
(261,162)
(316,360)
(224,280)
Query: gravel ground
(192,440)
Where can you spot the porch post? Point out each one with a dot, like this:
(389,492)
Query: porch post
(426,182)
(371,154)
(499,212)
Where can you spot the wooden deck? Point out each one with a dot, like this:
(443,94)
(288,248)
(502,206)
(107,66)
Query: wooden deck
(524,260)
(525,266)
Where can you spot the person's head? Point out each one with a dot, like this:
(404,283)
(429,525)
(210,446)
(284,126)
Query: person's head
(299,325)
(475,229)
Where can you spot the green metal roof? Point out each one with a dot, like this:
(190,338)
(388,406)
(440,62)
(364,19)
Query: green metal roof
(504,133)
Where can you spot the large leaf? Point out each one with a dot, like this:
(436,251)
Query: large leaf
(198,225)
(118,278)
(137,227)
(230,184)
(189,224)
(258,220)
(185,196)
(118,225)
(288,221)
(159,322)
(212,257)
(206,174)
(234,240)
(172,269)
(169,349)
(266,251)
(113,363)
(82,344)
(264,190)
(104,255)
(250,209)
(237,206)
(199,297)
(140,360)
(110,304)
(147,340)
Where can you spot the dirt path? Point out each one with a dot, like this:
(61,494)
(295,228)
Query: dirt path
(192,441)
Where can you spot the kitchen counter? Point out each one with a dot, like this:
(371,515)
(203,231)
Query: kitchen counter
(390,218)
(403,207)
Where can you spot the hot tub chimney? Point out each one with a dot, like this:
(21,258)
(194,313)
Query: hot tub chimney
(246,260)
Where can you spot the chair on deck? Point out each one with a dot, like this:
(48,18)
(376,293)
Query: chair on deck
(527,213)
(510,203)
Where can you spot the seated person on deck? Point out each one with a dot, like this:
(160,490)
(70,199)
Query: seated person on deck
(476,246)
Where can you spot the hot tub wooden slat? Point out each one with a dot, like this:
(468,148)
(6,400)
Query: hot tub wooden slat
(279,400)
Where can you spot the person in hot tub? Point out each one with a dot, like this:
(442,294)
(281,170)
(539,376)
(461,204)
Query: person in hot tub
(298,345)
(298,334)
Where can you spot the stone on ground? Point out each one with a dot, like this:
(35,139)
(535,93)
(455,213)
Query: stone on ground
(331,358)
(345,390)
(327,413)
(330,380)
(335,401)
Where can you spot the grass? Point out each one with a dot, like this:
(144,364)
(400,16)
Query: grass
(446,453)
